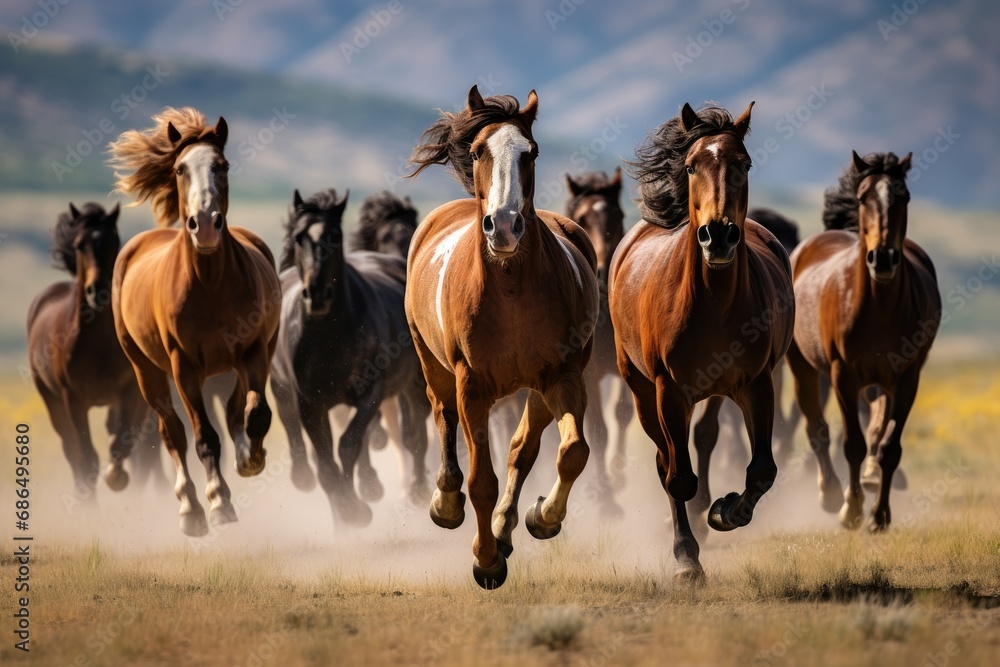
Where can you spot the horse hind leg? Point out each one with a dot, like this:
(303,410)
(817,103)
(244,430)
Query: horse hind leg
(303,477)
(624,411)
(83,491)
(369,485)
(597,434)
(415,408)
(851,513)
(523,452)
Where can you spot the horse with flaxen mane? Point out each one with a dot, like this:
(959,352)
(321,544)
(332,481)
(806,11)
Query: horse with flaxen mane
(194,300)
(499,297)
(344,340)
(868,311)
(76,362)
(684,282)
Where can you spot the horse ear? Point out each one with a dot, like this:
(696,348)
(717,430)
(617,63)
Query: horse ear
(689,119)
(297,199)
(113,215)
(742,124)
(574,187)
(342,204)
(172,134)
(859,163)
(221,130)
(73,211)
(476,101)
(530,110)
(905,163)
(616,180)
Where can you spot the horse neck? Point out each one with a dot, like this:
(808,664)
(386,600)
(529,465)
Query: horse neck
(338,277)
(536,240)
(720,288)
(208,269)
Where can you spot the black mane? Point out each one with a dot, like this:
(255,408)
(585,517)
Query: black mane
(375,210)
(786,231)
(322,203)
(659,165)
(840,203)
(448,140)
(68,226)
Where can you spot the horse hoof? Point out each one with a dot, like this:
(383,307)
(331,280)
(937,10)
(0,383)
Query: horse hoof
(193,523)
(223,514)
(450,520)
(831,498)
(303,477)
(871,475)
(899,481)
(378,439)
(418,494)
(115,477)
(505,547)
(370,488)
(691,575)
(851,514)
(491,577)
(533,522)
(353,511)
(723,516)
(254,465)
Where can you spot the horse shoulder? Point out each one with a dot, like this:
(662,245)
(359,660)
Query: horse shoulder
(572,232)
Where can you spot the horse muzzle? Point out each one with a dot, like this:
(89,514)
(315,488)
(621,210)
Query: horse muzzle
(503,231)
(718,241)
(883,264)
(317,302)
(206,231)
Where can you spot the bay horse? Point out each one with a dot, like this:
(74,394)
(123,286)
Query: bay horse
(344,340)
(684,282)
(76,362)
(869,310)
(194,301)
(594,205)
(499,297)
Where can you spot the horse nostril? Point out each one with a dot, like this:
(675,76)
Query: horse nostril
(91,290)
(704,235)
(488,226)
(518,227)
(192,224)
(217,220)
(894,257)
(872,258)
(305,293)
(733,234)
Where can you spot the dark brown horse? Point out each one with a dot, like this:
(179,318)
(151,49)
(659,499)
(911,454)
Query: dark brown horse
(868,311)
(195,301)
(594,205)
(685,282)
(499,297)
(77,363)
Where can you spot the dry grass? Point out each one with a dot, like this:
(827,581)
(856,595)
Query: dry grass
(925,593)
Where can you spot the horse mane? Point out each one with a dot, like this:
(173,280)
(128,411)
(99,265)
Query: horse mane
(92,216)
(840,203)
(785,230)
(376,209)
(588,183)
(321,203)
(448,140)
(659,165)
(144,161)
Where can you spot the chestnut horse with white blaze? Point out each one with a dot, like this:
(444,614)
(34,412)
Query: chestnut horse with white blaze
(194,301)
(684,282)
(869,309)
(495,293)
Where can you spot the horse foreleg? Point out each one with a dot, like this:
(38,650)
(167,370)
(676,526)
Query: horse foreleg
(523,452)
(415,408)
(736,509)
(352,507)
(597,434)
(189,380)
(854,444)
(891,449)
(64,427)
(126,418)
(706,435)
(369,486)
(303,477)
(250,453)
(624,410)
(87,468)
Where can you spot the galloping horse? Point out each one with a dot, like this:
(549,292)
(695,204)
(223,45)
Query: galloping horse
(499,296)
(685,282)
(344,340)
(869,309)
(76,361)
(594,205)
(195,301)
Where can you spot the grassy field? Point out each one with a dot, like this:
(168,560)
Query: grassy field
(284,587)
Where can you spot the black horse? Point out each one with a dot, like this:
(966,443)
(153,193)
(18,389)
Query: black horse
(386,224)
(343,340)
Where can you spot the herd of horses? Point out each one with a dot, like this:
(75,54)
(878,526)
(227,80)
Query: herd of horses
(490,302)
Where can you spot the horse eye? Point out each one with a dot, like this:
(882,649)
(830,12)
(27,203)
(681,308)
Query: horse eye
(180,170)
(223,167)
(690,169)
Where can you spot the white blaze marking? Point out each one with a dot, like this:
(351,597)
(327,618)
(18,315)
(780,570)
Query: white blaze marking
(202,193)
(599,205)
(572,261)
(506,146)
(713,149)
(443,252)
(884,197)
(316,232)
